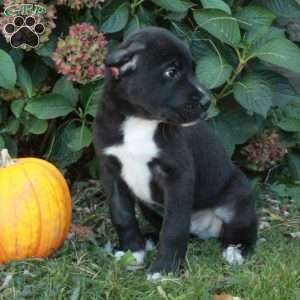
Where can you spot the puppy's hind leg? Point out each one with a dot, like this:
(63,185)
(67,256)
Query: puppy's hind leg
(239,232)
(238,240)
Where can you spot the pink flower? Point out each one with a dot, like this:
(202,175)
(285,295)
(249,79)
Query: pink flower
(79,4)
(264,151)
(80,56)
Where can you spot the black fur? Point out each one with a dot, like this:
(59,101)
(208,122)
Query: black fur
(192,172)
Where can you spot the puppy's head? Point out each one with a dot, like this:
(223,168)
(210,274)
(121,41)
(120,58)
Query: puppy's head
(153,72)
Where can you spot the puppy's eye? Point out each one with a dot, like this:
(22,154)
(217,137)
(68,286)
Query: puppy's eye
(171,72)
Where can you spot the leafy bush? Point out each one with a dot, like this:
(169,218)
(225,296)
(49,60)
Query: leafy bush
(244,55)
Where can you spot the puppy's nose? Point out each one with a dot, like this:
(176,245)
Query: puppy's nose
(205,101)
(202,100)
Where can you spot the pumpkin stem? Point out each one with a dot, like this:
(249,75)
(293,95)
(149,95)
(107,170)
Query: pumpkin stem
(5,159)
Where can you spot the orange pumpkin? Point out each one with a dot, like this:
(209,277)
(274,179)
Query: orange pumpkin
(35,208)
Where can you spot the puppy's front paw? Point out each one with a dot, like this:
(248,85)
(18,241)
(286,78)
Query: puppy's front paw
(136,258)
(163,266)
(137,261)
(233,255)
(154,276)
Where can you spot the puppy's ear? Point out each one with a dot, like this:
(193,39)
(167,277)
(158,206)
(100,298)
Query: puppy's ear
(123,60)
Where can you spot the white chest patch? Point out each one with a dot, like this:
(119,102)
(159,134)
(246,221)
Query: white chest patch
(136,151)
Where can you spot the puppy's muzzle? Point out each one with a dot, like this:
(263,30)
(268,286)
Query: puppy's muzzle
(196,108)
(200,101)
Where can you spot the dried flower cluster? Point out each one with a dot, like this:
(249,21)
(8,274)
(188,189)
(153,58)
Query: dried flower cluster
(81,54)
(17,93)
(48,20)
(264,151)
(79,4)
(11,95)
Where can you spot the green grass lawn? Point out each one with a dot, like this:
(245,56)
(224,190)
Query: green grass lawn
(85,270)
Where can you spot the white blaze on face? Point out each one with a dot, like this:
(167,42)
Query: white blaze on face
(136,151)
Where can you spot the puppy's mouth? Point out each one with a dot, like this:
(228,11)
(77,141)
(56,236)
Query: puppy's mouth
(203,116)
(181,118)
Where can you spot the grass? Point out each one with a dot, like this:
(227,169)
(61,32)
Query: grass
(85,270)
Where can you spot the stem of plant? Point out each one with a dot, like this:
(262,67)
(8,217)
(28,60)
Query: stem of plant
(135,5)
(5,159)
(225,91)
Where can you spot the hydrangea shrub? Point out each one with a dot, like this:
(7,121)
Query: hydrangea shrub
(246,52)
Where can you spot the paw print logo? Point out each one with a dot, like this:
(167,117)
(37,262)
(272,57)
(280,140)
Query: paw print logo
(24,31)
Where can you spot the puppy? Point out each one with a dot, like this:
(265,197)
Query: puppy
(155,150)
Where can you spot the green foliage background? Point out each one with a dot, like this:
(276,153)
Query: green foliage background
(243,54)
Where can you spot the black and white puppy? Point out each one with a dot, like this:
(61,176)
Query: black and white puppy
(155,149)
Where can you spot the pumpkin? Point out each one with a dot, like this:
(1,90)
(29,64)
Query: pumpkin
(35,208)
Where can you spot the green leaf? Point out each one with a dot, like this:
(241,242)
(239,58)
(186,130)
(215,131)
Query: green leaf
(282,8)
(256,20)
(12,126)
(177,16)
(280,52)
(292,110)
(252,16)
(8,75)
(219,24)
(261,35)
(24,80)
(173,5)
(10,144)
(65,87)
(127,260)
(294,165)
(288,117)
(117,21)
(213,70)
(81,137)
(36,126)
(59,152)
(90,97)
(283,92)
(219,4)
(133,26)
(254,94)
(289,124)
(48,48)
(17,55)
(234,128)
(2,143)
(142,19)
(49,106)
(147,17)
(200,45)
(39,71)
(17,107)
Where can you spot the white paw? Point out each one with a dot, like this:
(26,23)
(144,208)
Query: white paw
(149,245)
(233,255)
(119,254)
(154,276)
(139,257)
